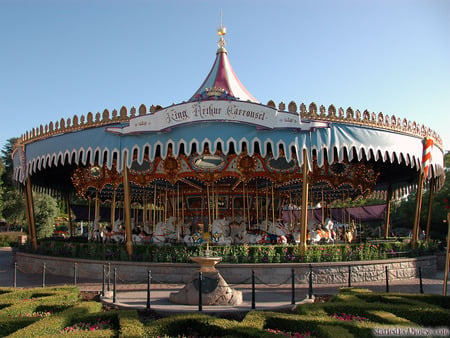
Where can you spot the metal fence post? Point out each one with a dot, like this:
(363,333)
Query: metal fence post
(114,286)
(104,280)
(15,275)
(253,290)
(74,273)
(43,275)
(420,279)
(349,276)
(109,276)
(149,282)
(310,292)
(293,287)
(387,279)
(200,300)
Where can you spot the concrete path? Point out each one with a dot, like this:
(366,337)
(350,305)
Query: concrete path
(267,297)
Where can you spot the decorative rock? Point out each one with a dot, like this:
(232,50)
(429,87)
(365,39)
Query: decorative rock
(215,291)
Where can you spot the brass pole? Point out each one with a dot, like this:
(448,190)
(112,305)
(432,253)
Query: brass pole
(273,206)
(30,212)
(430,208)
(304,219)
(127,207)
(69,215)
(388,213)
(113,208)
(267,208)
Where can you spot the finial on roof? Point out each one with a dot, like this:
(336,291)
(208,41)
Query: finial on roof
(221,31)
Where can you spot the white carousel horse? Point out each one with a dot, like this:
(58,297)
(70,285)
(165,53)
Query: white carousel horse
(95,234)
(217,232)
(255,237)
(159,236)
(237,232)
(314,236)
(329,226)
(117,232)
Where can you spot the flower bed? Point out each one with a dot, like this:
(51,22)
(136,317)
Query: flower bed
(233,253)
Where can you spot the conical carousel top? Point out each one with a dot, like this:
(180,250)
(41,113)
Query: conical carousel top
(222,81)
(222,136)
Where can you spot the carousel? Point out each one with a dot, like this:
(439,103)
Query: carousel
(223,167)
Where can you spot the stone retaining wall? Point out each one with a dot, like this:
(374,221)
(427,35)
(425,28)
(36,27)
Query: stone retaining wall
(276,273)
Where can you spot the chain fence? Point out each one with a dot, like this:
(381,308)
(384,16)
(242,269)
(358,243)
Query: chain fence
(110,279)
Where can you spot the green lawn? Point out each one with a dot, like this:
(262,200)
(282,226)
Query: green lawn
(60,311)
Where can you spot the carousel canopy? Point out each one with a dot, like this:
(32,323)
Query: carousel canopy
(223,136)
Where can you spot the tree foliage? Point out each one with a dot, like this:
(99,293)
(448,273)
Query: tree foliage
(45,211)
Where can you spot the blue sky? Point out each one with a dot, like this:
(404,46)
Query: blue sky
(60,58)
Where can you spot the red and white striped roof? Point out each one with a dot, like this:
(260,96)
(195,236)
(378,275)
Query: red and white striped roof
(222,76)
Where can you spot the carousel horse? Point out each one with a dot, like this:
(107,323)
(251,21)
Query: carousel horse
(217,232)
(256,237)
(159,236)
(237,232)
(314,236)
(96,235)
(329,234)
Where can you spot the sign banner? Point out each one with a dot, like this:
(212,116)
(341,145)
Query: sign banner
(224,111)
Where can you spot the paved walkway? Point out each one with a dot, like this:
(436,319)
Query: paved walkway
(267,297)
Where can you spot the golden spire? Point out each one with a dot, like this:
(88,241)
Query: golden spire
(221,31)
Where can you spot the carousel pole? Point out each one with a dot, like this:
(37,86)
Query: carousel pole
(249,205)
(154,208)
(243,203)
(144,211)
(182,205)
(113,208)
(267,207)
(257,202)
(430,207)
(89,216)
(323,208)
(178,211)
(304,219)
(273,206)
(208,204)
(165,205)
(388,213)
(69,216)
(30,212)
(127,207)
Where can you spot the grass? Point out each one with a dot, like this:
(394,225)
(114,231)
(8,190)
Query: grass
(60,311)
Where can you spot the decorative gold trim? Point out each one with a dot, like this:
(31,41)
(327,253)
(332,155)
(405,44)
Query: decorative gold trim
(349,116)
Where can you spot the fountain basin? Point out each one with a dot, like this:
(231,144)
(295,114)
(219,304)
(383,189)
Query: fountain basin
(207,263)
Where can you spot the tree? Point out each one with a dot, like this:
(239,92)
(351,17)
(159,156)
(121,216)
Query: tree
(2,170)
(45,210)
(7,175)
(13,207)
